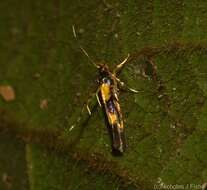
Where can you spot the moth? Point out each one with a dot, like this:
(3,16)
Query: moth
(107,95)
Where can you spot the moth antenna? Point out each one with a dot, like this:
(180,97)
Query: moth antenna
(82,49)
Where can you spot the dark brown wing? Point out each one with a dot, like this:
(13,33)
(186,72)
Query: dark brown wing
(115,124)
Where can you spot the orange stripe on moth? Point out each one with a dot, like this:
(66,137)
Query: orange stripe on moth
(112,118)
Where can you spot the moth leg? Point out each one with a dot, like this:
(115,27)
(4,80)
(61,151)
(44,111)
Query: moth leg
(89,100)
(120,65)
(129,89)
(88,109)
(86,105)
(97,97)
(125,87)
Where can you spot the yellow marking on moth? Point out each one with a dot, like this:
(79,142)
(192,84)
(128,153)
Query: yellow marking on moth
(112,118)
(105,91)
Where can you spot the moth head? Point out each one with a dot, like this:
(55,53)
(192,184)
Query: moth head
(103,69)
